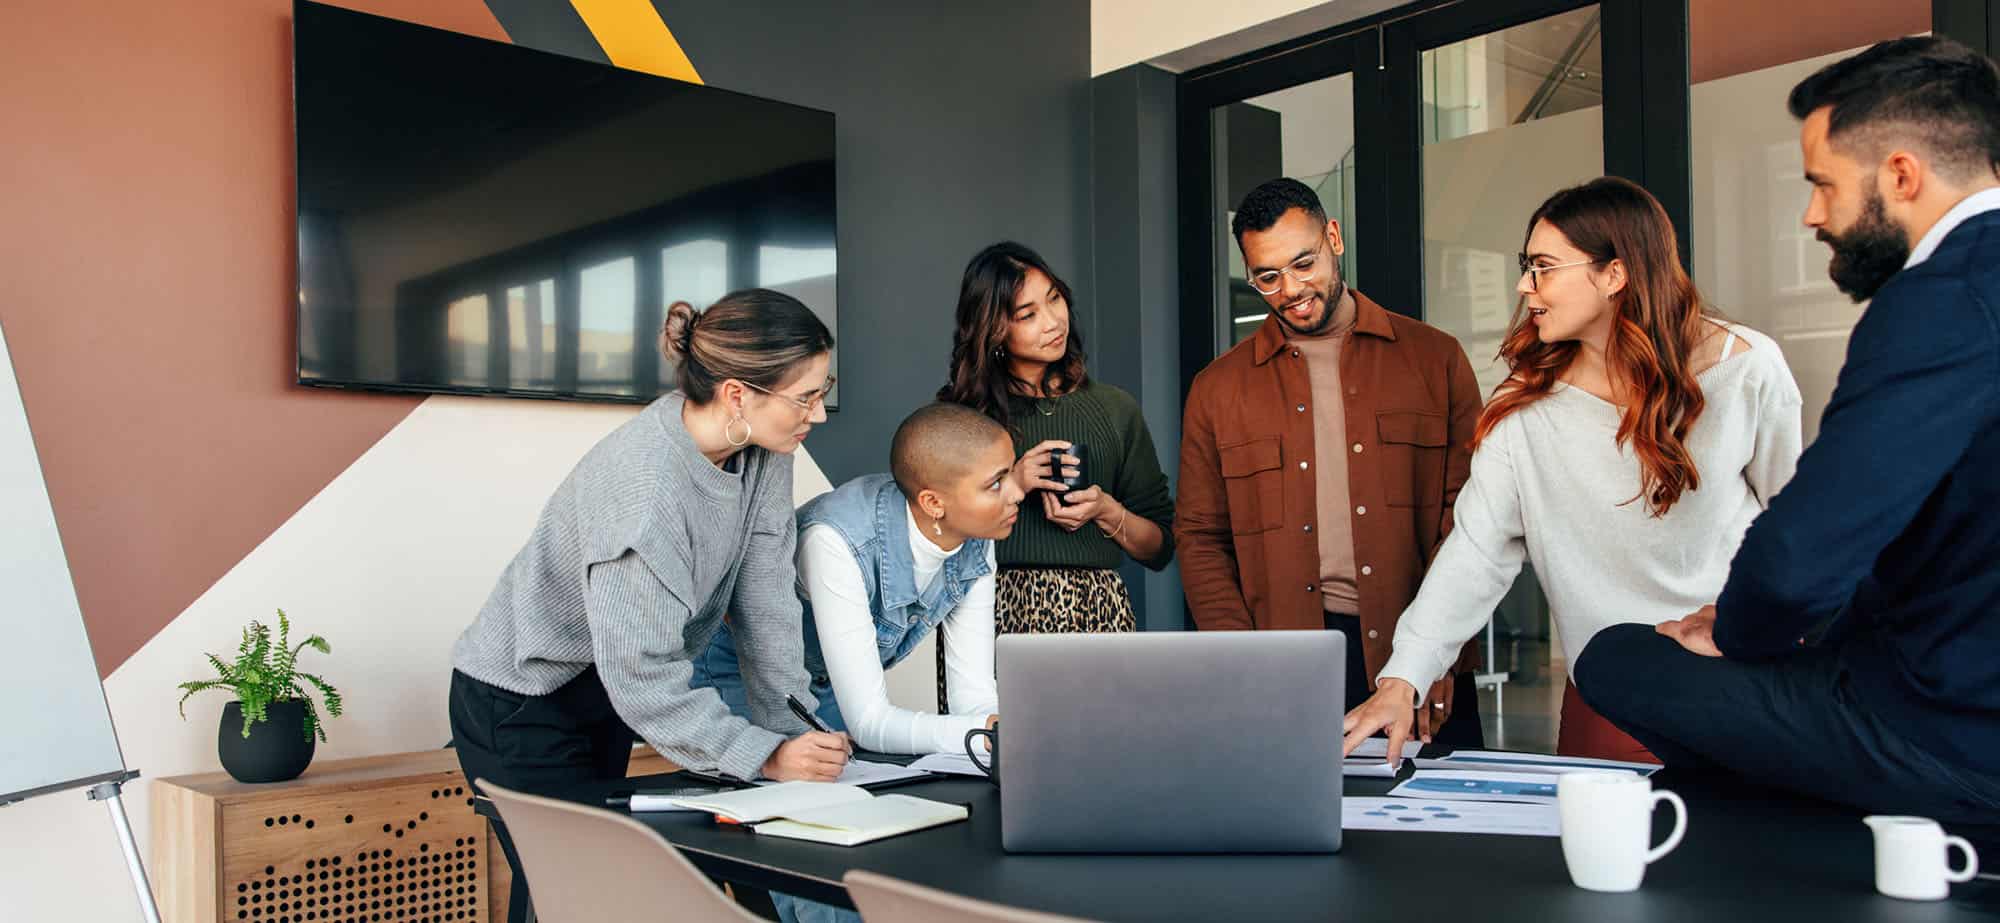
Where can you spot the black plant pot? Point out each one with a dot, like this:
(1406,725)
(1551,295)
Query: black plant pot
(277,748)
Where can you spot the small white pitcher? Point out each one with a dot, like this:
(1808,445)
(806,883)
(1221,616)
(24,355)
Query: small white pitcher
(1912,858)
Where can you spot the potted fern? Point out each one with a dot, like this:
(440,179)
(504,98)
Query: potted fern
(270,732)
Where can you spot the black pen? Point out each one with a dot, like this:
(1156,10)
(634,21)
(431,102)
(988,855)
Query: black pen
(799,709)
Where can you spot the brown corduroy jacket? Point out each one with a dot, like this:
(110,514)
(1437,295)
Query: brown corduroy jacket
(1247,507)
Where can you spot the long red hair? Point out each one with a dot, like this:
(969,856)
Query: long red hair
(1658,322)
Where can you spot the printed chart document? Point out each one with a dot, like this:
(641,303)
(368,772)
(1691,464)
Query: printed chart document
(826,812)
(1478,786)
(1449,817)
(1474,760)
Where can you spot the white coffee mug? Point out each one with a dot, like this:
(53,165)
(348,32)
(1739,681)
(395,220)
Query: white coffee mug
(1607,823)
(1913,858)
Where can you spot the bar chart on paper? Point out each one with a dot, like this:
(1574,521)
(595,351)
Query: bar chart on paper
(1420,816)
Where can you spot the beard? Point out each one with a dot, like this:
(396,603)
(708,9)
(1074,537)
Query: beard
(1329,299)
(1868,253)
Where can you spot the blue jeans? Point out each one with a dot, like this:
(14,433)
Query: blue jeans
(718,669)
(1791,723)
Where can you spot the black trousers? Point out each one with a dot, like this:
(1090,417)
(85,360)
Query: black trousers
(1461,731)
(534,743)
(1791,723)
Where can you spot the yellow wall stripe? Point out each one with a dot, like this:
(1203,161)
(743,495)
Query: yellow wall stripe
(634,37)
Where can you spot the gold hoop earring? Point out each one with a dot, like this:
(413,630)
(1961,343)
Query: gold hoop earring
(731,425)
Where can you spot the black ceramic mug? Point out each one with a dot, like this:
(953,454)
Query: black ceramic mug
(990,767)
(1081,479)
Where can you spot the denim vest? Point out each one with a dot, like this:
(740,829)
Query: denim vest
(871,514)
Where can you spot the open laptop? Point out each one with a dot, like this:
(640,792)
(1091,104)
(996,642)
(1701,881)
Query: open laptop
(1171,742)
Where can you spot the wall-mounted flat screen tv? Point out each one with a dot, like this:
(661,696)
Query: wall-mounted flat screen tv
(480,218)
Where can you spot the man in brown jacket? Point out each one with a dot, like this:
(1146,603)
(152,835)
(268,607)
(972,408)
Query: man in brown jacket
(1320,459)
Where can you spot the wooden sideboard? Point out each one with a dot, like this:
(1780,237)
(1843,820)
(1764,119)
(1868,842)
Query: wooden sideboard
(383,839)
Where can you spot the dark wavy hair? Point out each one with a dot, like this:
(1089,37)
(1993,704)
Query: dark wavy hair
(980,377)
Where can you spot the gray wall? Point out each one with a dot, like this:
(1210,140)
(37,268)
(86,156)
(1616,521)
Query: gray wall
(957,125)
(1133,222)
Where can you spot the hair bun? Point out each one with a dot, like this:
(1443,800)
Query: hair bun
(677,333)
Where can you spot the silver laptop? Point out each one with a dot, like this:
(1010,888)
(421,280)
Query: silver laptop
(1171,742)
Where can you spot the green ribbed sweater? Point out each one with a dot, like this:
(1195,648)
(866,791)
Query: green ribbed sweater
(1121,461)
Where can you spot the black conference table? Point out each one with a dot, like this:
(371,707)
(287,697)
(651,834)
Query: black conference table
(1750,854)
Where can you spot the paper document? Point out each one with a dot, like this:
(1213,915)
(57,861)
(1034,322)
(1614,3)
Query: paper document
(955,764)
(1378,747)
(863,772)
(1449,817)
(1532,762)
(1478,786)
(1373,767)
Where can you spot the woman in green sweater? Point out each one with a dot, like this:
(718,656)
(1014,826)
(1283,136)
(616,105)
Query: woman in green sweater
(1016,358)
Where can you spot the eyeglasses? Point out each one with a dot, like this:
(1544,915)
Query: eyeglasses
(807,403)
(1534,272)
(1302,270)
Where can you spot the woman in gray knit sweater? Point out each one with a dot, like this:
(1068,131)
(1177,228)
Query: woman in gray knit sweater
(679,516)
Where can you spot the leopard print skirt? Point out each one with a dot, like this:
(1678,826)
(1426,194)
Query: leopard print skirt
(1046,600)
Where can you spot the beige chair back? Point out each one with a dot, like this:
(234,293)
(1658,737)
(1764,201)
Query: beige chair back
(587,865)
(891,900)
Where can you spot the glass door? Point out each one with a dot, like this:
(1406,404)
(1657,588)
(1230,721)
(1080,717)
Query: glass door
(1257,124)
(1431,132)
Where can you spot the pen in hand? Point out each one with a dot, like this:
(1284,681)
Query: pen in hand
(799,709)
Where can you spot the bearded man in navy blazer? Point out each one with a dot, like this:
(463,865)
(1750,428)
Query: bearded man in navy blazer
(1854,653)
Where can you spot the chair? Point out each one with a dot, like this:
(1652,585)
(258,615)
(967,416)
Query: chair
(587,865)
(882,899)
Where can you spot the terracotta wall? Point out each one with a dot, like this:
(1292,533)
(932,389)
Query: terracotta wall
(148,227)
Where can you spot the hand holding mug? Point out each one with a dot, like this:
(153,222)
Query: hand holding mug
(1036,468)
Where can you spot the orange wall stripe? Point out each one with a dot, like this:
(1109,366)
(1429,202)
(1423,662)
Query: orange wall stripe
(635,38)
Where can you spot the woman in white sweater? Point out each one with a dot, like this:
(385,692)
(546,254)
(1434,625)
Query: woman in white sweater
(1636,438)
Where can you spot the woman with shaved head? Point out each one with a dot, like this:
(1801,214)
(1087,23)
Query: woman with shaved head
(884,560)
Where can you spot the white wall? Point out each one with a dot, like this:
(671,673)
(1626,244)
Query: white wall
(389,562)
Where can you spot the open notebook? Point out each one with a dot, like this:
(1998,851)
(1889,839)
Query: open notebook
(825,812)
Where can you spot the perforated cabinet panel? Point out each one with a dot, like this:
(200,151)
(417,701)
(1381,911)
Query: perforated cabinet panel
(381,839)
(405,853)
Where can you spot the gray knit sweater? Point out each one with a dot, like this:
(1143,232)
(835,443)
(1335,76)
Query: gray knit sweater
(631,566)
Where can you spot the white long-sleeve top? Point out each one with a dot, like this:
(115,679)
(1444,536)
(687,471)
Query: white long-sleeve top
(847,642)
(1550,485)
